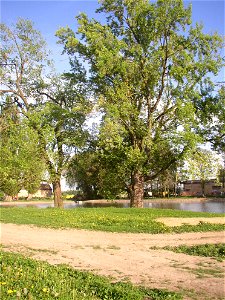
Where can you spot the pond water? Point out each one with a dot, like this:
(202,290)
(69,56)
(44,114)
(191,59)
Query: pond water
(206,206)
(213,206)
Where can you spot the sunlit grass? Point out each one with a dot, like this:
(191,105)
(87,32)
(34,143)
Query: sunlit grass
(216,251)
(24,278)
(107,219)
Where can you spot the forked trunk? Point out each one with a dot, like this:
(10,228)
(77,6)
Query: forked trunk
(58,202)
(136,190)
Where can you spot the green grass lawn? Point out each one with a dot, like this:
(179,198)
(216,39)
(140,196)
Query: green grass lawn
(216,251)
(107,219)
(25,278)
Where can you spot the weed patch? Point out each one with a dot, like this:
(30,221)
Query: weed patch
(24,278)
(216,251)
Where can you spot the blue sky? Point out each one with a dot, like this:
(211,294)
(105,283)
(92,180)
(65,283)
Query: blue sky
(48,16)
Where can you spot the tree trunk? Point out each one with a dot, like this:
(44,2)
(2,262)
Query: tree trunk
(58,202)
(29,197)
(136,190)
(203,188)
(8,198)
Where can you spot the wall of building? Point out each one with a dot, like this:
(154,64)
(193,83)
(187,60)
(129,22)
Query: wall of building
(44,191)
(194,188)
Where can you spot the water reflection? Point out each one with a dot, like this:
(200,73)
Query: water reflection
(203,206)
(168,205)
(206,206)
(211,207)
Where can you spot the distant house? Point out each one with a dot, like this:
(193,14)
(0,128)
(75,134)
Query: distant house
(44,190)
(194,188)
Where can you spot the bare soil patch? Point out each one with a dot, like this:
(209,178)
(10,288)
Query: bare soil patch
(126,256)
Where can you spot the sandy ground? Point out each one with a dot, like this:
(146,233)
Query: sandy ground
(126,256)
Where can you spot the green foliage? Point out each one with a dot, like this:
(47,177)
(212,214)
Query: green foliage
(21,164)
(25,55)
(211,111)
(216,251)
(84,170)
(96,174)
(146,65)
(161,294)
(59,122)
(221,176)
(201,227)
(202,165)
(55,106)
(25,278)
(107,219)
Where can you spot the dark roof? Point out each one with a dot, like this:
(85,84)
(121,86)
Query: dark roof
(45,186)
(196,181)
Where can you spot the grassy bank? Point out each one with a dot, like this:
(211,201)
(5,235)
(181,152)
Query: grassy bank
(107,219)
(23,278)
(215,251)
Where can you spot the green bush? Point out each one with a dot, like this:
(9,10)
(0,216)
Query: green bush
(1,195)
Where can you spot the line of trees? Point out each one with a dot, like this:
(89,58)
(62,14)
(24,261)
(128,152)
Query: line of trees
(147,70)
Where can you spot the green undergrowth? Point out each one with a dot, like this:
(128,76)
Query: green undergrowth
(25,278)
(107,219)
(216,251)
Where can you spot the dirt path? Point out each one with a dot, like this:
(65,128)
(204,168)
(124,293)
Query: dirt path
(123,255)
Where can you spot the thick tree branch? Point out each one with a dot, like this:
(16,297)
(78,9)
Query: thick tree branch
(166,166)
(47,95)
(164,68)
(7,91)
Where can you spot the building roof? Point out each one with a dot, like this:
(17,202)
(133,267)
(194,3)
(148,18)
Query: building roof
(45,186)
(197,181)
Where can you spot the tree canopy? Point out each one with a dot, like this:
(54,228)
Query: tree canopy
(55,106)
(146,69)
(147,65)
(211,110)
(21,163)
(203,165)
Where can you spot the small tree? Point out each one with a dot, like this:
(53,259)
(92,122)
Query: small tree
(83,170)
(221,177)
(203,165)
(95,175)
(60,126)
